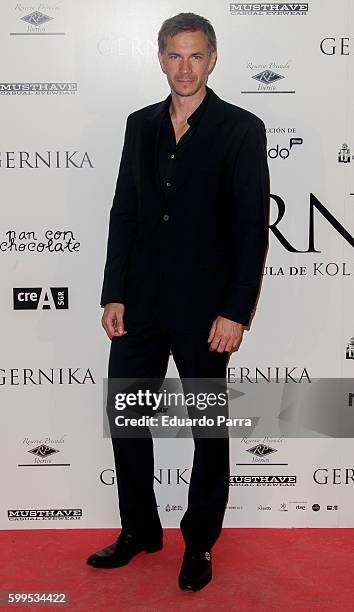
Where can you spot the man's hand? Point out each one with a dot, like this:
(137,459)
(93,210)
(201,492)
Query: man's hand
(112,320)
(225,335)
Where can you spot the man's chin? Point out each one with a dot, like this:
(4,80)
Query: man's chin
(188,89)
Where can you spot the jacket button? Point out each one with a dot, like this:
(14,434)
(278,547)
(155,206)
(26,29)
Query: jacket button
(166,217)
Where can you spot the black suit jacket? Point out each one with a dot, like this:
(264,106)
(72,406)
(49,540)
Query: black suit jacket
(202,254)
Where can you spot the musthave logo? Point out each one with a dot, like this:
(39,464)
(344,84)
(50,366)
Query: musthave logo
(269,8)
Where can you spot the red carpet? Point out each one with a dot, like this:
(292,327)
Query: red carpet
(253,569)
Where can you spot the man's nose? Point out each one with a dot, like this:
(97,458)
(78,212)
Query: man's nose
(185,66)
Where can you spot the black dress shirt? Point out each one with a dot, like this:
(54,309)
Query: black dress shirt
(170,153)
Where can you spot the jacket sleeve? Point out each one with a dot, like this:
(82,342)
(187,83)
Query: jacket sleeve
(249,224)
(122,226)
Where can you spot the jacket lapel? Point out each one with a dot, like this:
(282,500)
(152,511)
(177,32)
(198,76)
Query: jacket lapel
(150,142)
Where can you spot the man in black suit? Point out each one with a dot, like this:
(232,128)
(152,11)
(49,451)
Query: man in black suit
(187,241)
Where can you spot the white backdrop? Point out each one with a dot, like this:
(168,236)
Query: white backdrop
(73,72)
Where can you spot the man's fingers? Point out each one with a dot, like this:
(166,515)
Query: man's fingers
(215,342)
(108,327)
(212,331)
(225,342)
(236,344)
(229,345)
(118,325)
(113,325)
(222,345)
(113,320)
(225,335)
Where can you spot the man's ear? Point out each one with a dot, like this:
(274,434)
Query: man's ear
(160,58)
(214,59)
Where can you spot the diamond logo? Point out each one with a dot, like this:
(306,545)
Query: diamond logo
(36,18)
(207,556)
(267,76)
(43,451)
(261,450)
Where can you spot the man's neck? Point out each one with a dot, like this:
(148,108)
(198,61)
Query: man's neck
(182,107)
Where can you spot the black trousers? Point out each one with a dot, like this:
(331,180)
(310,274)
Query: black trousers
(143,353)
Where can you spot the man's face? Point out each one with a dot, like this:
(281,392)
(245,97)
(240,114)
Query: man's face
(187,62)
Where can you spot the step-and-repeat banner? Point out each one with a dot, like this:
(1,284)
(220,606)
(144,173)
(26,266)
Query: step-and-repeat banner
(71,72)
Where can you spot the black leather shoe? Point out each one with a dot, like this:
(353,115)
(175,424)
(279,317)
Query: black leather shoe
(122,551)
(196,570)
